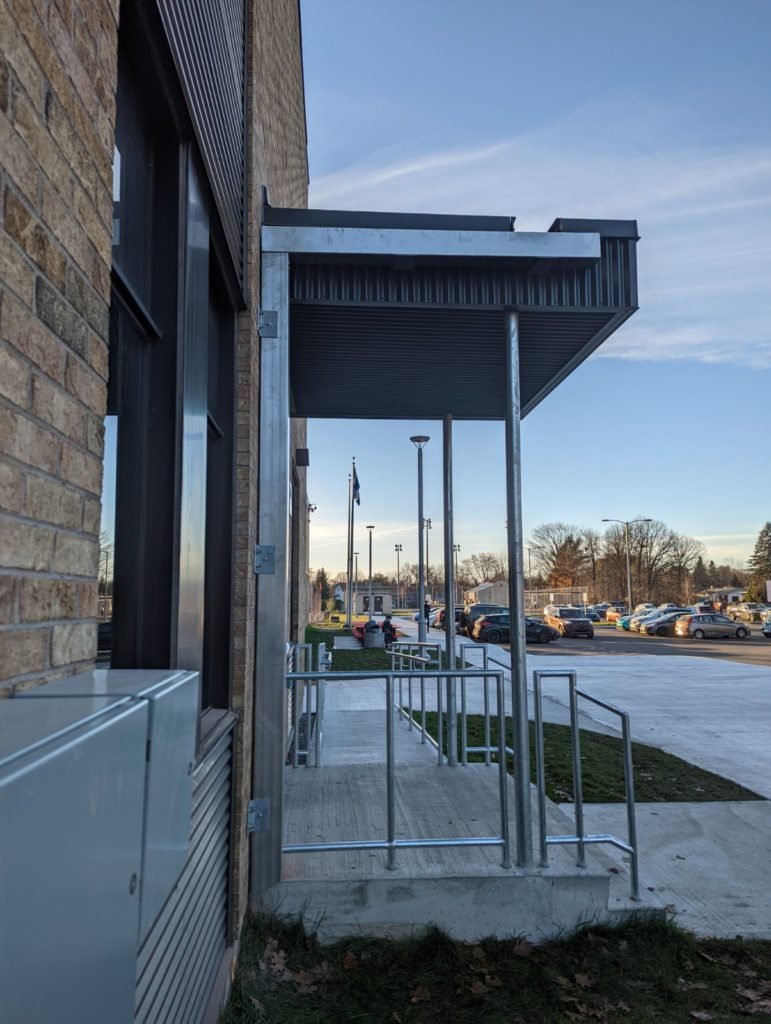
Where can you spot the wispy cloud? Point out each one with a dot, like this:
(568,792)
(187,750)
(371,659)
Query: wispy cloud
(704,216)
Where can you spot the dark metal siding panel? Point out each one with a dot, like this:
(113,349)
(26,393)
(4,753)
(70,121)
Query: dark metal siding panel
(609,284)
(425,362)
(207,42)
(179,960)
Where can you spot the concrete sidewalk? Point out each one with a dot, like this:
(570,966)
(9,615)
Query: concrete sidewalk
(709,862)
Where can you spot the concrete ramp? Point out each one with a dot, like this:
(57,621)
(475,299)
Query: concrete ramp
(464,890)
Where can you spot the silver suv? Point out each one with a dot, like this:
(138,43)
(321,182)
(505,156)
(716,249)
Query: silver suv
(749,611)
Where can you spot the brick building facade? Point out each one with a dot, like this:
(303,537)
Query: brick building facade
(113,169)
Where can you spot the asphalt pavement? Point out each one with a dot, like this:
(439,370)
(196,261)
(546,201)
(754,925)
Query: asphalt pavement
(754,650)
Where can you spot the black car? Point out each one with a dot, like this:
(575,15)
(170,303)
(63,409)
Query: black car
(765,629)
(495,629)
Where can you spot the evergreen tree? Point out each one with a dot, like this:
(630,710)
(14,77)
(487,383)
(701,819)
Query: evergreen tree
(713,576)
(759,565)
(322,582)
(700,580)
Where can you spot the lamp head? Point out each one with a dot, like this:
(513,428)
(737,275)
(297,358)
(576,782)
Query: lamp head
(420,440)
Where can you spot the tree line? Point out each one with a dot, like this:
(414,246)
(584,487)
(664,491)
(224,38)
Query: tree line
(665,565)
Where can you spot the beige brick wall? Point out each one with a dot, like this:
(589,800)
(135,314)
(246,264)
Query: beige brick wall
(276,156)
(57,114)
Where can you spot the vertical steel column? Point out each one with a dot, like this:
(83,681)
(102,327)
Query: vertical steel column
(421,580)
(349,556)
(523,814)
(449,591)
(272,589)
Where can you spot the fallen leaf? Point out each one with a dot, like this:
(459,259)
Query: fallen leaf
(622,1007)
(420,995)
(523,948)
(478,987)
(764,1007)
(583,980)
(595,939)
(306,982)
(701,1015)
(477,952)
(564,982)
(350,960)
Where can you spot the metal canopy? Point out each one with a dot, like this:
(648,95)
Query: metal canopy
(401,316)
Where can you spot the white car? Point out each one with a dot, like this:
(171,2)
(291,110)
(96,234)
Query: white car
(431,616)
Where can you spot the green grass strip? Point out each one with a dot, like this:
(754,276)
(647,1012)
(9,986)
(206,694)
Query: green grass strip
(658,776)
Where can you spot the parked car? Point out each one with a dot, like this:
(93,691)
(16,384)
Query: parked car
(748,611)
(431,616)
(639,623)
(622,622)
(701,626)
(664,625)
(592,613)
(614,613)
(496,629)
(641,607)
(568,621)
(471,613)
(439,621)
(765,629)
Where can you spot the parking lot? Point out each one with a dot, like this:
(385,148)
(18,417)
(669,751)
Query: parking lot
(755,650)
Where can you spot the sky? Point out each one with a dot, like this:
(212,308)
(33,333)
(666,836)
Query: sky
(657,111)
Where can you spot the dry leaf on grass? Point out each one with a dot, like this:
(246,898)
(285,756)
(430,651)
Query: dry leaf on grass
(522,948)
(583,980)
(700,1015)
(350,960)
(420,995)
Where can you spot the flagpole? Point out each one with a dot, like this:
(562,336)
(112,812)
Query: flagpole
(349,589)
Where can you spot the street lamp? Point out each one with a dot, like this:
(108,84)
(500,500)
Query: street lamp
(455,550)
(398,550)
(356,579)
(427,524)
(369,590)
(626,523)
(420,441)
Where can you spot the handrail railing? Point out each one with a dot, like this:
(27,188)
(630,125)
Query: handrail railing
(391,844)
(312,697)
(580,838)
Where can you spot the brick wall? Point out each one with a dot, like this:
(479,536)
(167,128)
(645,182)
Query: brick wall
(276,156)
(57,113)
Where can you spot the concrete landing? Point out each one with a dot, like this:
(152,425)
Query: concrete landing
(464,889)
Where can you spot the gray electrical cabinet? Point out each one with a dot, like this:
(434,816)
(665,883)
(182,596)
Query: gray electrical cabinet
(69,737)
(72,790)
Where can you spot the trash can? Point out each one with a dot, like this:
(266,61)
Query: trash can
(373,635)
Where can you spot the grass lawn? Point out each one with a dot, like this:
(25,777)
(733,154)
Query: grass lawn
(647,972)
(658,776)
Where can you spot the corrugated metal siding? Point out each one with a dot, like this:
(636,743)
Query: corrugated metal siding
(610,283)
(420,363)
(207,43)
(180,957)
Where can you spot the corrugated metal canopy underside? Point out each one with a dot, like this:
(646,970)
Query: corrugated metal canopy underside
(383,337)
(418,363)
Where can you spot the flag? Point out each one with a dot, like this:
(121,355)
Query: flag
(356,494)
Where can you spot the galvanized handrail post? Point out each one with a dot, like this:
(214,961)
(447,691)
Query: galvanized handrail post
(502,775)
(631,822)
(390,780)
(578,785)
(540,768)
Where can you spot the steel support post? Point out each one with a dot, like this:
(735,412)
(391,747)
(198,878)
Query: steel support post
(271,626)
(449,590)
(523,815)
(421,577)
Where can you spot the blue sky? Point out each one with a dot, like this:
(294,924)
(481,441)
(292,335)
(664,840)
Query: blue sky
(659,112)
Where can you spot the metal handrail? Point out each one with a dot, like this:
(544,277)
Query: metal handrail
(391,844)
(313,699)
(580,838)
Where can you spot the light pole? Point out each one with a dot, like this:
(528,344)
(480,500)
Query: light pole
(427,524)
(398,550)
(355,579)
(455,550)
(369,590)
(420,441)
(626,523)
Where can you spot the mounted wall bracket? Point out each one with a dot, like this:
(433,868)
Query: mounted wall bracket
(258,816)
(264,559)
(267,323)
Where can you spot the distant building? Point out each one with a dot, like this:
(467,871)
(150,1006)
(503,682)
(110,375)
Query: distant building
(488,593)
